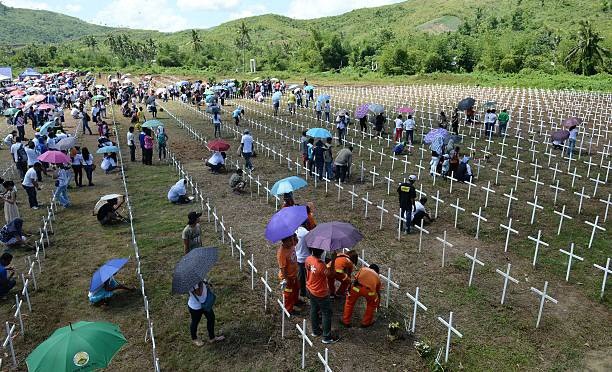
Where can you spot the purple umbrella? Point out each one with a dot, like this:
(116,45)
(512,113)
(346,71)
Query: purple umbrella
(284,222)
(560,135)
(362,111)
(332,236)
(434,133)
(570,122)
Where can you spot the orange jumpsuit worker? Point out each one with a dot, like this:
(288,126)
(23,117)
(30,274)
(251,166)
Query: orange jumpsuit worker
(367,284)
(344,264)
(288,270)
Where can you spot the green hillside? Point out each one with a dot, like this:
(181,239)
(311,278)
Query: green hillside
(416,36)
(24,26)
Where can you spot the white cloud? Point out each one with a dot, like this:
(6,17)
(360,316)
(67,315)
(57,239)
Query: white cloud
(27,4)
(73,8)
(301,9)
(250,11)
(140,14)
(210,5)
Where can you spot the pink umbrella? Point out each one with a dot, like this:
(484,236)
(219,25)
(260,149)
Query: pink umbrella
(560,135)
(54,157)
(405,110)
(38,98)
(46,106)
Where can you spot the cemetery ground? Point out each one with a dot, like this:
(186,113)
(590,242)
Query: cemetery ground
(573,334)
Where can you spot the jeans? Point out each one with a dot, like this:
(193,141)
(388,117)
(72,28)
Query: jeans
(319,170)
(196,316)
(302,278)
(22,167)
(86,126)
(31,191)
(89,173)
(132,152)
(61,194)
(502,128)
(410,136)
(247,160)
(78,174)
(341,134)
(217,130)
(329,170)
(406,212)
(149,156)
(161,149)
(327,116)
(489,129)
(322,304)
(570,147)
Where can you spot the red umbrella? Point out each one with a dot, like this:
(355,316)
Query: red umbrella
(570,122)
(46,106)
(218,145)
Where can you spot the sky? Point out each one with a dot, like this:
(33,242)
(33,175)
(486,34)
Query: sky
(175,15)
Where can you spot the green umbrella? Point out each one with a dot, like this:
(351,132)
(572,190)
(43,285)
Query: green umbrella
(152,124)
(208,91)
(99,98)
(80,346)
(10,112)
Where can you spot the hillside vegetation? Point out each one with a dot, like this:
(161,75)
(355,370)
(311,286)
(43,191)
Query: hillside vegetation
(413,37)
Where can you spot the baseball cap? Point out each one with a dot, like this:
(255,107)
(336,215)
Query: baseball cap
(192,216)
(412,177)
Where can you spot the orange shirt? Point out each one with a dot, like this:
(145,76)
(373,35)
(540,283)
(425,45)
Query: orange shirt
(316,277)
(343,264)
(287,262)
(368,278)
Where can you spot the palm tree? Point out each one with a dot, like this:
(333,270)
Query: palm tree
(196,42)
(243,41)
(587,52)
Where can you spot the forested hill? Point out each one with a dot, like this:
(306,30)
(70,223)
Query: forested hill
(405,38)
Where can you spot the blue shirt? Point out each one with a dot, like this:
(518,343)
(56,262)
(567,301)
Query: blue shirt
(3,275)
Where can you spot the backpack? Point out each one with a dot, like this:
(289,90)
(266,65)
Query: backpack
(161,138)
(22,156)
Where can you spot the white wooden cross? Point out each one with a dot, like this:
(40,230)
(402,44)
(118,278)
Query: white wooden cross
(438,200)
(517,178)
(488,189)
(555,171)
(451,178)
(470,185)
(353,195)
(557,189)
(389,181)
(417,304)
(571,256)
(562,215)
(538,241)
(595,227)
(284,313)
(340,188)
(251,263)
(367,202)
(543,297)
(445,244)
(267,290)
(597,183)
(535,206)
(382,213)
(325,360)
(507,277)
(497,172)
(479,218)
(450,327)
(457,209)
(305,339)
(374,174)
(606,271)
(607,203)
(509,229)
(536,182)
(475,261)
(582,196)
(574,176)
(510,199)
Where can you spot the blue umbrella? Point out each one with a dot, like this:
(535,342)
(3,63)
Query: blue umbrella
(376,108)
(107,149)
(217,87)
(182,83)
(45,127)
(323,97)
(284,222)
(286,185)
(276,97)
(110,268)
(318,133)
(308,88)
(210,98)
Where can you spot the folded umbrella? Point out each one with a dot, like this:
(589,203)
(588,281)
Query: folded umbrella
(331,236)
(106,150)
(466,103)
(54,157)
(110,268)
(284,223)
(218,145)
(560,135)
(286,185)
(318,133)
(66,143)
(82,346)
(571,122)
(193,268)
(376,108)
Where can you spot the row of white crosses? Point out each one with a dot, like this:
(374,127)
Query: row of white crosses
(479,215)
(150,334)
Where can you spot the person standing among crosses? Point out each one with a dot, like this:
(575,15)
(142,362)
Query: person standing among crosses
(399,128)
(407,196)
(287,273)
(366,284)
(317,284)
(344,264)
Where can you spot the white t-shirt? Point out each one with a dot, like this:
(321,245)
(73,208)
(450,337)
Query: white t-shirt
(418,207)
(409,124)
(88,161)
(107,163)
(32,155)
(77,160)
(130,138)
(399,124)
(573,135)
(301,249)
(8,140)
(195,302)
(14,148)
(216,158)
(29,178)
(247,143)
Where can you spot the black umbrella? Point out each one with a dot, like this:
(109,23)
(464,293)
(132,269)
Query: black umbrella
(192,268)
(466,103)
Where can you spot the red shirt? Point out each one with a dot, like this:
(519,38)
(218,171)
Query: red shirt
(316,277)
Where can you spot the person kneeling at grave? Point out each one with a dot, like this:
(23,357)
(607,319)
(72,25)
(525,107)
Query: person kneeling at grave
(367,285)
(12,235)
(216,162)
(178,193)
(464,171)
(237,182)
(344,264)
(108,215)
(420,213)
(6,280)
(101,295)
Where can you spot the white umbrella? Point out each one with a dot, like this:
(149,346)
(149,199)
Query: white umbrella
(66,143)
(103,200)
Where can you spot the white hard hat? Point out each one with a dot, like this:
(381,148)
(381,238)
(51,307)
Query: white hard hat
(412,177)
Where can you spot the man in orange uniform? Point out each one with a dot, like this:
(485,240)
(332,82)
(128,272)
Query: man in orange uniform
(287,273)
(366,284)
(344,264)
(317,276)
